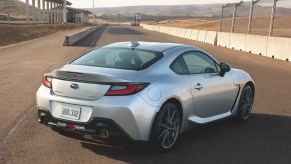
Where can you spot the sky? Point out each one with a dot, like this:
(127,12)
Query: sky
(116,3)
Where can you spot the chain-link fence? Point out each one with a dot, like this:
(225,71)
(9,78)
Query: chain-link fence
(255,17)
(282,23)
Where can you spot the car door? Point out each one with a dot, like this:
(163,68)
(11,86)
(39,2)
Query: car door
(212,93)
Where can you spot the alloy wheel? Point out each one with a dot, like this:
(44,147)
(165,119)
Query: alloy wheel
(246,103)
(169,127)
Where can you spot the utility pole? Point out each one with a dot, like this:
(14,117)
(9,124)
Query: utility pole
(26,11)
(221,16)
(251,15)
(235,5)
(65,11)
(93,11)
(33,11)
(38,11)
(272,18)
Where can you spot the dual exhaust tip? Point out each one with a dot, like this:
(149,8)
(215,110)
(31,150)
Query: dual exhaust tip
(101,131)
(44,120)
(104,133)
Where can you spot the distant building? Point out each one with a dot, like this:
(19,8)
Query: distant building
(77,15)
(54,11)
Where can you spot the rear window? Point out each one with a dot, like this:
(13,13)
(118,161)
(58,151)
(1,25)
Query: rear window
(119,58)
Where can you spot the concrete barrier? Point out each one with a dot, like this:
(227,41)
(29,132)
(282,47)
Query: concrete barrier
(178,31)
(223,39)
(256,44)
(237,41)
(148,27)
(188,34)
(274,47)
(194,35)
(279,48)
(151,27)
(145,26)
(173,31)
(162,29)
(182,33)
(74,38)
(169,30)
(155,28)
(211,37)
(201,36)
(158,28)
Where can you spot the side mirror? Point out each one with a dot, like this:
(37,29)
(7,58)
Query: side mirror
(224,67)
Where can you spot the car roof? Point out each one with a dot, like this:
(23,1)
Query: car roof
(152,46)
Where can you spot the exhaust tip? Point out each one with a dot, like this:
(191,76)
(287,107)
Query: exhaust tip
(104,133)
(45,121)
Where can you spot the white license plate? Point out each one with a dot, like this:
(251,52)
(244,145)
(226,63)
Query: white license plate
(70,111)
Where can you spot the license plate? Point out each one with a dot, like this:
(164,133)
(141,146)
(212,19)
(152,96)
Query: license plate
(70,111)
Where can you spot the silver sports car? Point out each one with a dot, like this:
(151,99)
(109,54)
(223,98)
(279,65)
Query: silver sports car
(145,91)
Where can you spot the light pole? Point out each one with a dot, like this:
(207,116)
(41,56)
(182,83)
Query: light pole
(93,11)
(65,11)
(251,15)
(272,18)
(234,14)
(27,11)
(221,16)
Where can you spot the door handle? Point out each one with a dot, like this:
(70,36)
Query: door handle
(198,86)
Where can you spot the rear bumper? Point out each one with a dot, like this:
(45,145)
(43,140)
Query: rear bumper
(130,116)
(93,127)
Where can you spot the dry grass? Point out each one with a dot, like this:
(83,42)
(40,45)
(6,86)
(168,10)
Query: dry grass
(12,34)
(204,24)
(260,26)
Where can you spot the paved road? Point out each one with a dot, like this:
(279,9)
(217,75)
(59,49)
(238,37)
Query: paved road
(265,138)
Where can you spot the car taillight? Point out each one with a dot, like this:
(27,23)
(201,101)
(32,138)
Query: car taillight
(47,81)
(126,89)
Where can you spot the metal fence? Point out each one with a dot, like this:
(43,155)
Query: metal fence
(259,17)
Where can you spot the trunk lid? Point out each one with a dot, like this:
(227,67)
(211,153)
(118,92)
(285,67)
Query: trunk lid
(90,83)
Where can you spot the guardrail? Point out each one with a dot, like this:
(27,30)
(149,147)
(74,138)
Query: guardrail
(274,47)
(74,38)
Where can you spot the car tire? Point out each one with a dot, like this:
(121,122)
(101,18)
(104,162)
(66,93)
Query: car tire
(245,103)
(165,128)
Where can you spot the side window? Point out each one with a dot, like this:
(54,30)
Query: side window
(179,67)
(198,62)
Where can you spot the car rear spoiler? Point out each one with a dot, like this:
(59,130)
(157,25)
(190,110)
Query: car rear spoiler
(85,77)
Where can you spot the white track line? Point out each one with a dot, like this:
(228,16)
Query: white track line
(15,127)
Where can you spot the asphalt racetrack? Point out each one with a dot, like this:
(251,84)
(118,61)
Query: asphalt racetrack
(265,138)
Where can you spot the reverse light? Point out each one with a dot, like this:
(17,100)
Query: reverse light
(47,81)
(126,89)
